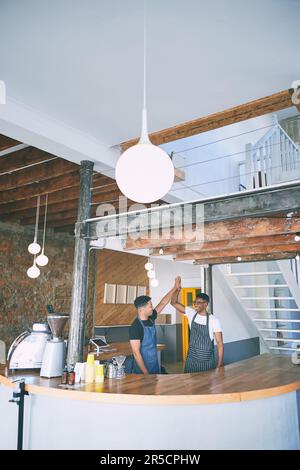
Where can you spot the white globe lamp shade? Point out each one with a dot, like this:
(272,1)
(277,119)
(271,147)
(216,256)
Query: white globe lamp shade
(144,173)
(154,283)
(297,238)
(148,266)
(34,248)
(151,274)
(42,260)
(33,272)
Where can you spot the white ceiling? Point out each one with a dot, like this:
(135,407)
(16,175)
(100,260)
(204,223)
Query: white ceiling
(77,65)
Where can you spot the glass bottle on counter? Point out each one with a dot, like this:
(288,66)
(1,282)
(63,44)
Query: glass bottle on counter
(64,378)
(71,376)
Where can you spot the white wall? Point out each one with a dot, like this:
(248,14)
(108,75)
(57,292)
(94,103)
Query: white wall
(166,271)
(235,324)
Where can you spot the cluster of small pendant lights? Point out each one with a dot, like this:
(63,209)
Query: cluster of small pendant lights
(151,273)
(34,248)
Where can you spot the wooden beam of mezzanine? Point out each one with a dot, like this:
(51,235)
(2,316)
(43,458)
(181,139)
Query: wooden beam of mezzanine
(259,107)
(242,251)
(19,160)
(248,258)
(257,203)
(236,243)
(7,142)
(223,231)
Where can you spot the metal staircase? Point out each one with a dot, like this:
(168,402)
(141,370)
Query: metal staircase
(269,293)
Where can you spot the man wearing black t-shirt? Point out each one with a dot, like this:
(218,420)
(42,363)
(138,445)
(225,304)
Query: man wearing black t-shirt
(142,333)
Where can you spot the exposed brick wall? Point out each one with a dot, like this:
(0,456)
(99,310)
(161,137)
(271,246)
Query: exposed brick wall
(23,300)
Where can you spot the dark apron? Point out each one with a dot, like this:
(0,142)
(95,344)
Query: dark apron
(201,355)
(148,350)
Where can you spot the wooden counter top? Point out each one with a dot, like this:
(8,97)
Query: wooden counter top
(255,378)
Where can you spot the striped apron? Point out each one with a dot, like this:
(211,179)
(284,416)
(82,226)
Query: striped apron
(200,356)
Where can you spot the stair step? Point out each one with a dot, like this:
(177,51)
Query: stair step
(267,298)
(279,329)
(275,309)
(285,340)
(255,274)
(284,349)
(253,286)
(276,320)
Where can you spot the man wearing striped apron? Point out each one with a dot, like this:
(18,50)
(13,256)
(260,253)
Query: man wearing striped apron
(203,328)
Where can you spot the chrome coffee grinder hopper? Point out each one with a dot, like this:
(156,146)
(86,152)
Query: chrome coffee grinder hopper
(55,350)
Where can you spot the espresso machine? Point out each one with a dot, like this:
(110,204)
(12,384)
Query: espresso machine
(26,352)
(55,351)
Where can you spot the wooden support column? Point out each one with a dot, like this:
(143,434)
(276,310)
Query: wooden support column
(208,286)
(80,268)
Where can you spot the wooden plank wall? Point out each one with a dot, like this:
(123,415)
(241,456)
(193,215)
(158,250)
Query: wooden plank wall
(115,267)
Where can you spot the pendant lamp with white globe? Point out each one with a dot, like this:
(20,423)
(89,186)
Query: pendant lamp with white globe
(33,271)
(144,172)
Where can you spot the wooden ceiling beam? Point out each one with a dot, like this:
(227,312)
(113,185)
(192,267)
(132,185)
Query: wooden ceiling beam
(250,258)
(62,206)
(39,189)
(61,188)
(37,173)
(236,244)
(233,252)
(224,230)
(7,142)
(255,108)
(22,158)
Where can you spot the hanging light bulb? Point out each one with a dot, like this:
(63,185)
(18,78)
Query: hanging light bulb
(297,238)
(144,161)
(161,251)
(151,274)
(33,271)
(239,258)
(148,266)
(34,247)
(42,259)
(154,282)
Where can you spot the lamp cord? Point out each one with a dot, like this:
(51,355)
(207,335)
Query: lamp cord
(37,218)
(45,218)
(144,64)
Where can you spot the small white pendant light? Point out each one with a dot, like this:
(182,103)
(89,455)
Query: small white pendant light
(144,172)
(34,247)
(33,271)
(154,282)
(42,259)
(151,274)
(148,266)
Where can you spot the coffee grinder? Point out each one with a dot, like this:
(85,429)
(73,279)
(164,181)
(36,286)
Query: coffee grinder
(55,350)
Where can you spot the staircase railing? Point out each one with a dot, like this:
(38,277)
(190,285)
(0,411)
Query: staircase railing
(273,159)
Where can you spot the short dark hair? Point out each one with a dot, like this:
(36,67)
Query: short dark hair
(203,296)
(141,301)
